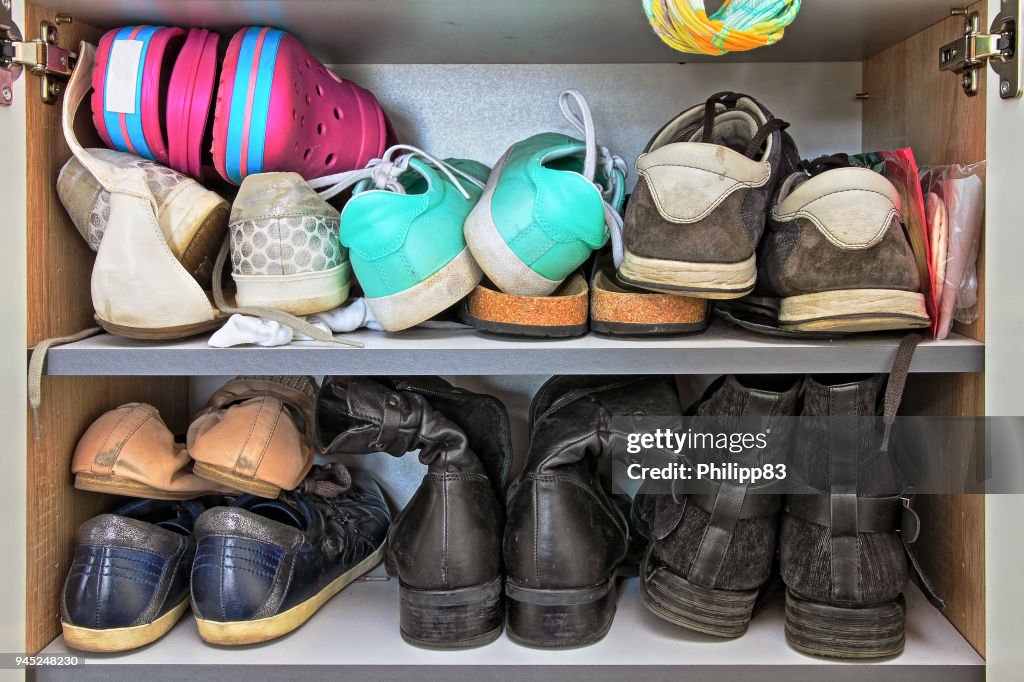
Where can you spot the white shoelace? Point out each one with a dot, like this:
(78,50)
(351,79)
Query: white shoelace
(598,154)
(385,172)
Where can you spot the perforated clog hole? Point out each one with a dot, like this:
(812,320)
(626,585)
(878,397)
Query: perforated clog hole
(319,90)
(338,114)
(295,114)
(329,161)
(309,100)
(308,153)
(309,64)
(302,122)
(321,129)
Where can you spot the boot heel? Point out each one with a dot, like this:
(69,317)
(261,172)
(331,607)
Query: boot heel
(557,619)
(845,632)
(451,619)
(720,613)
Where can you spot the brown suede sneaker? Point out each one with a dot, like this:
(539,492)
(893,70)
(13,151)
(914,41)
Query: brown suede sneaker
(837,255)
(700,205)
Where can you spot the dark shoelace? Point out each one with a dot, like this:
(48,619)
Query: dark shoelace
(824,163)
(897,382)
(729,100)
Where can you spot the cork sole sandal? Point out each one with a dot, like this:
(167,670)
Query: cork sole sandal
(617,310)
(112,640)
(561,315)
(116,485)
(230,479)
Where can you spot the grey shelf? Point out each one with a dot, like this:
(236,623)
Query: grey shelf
(516,31)
(355,636)
(719,350)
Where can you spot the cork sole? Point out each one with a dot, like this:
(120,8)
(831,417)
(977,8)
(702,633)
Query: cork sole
(700,280)
(121,639)
(230,479)
(234,633)
(116,485)
(436,293)
(854,310)
(562,314)
(615,310)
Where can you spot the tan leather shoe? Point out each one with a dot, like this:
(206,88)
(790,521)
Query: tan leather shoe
(130,451)
(255,434)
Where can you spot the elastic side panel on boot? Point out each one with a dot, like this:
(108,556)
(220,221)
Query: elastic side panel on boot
(748,561)
(806,562)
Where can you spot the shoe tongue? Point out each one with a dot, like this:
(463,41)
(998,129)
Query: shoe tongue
(733,129)
(276,510)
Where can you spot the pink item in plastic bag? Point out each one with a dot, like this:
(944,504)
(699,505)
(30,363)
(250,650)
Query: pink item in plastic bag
(189,100)
(279,109)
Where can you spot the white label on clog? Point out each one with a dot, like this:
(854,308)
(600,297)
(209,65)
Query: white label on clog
(123,76)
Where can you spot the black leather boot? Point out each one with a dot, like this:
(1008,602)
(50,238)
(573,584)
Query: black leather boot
(445,545)
(713,547)
(567,540)
(844,546)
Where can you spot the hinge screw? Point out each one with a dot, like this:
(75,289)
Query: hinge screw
(1004,87)
(958,12)
(965,80)
(62,19)
(6,4)
(55,88)
(8,95)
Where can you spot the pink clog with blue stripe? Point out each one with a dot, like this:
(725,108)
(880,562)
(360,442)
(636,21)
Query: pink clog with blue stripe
(279,109)
(133,65)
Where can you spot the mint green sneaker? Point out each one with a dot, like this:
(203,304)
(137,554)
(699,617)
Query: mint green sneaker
(549,203)
(403,229)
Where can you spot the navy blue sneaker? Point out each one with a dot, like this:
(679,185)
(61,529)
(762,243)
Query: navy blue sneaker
(129,579)
(264,567)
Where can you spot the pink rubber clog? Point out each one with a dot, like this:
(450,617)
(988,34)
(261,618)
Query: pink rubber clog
(279,109)
(130,88)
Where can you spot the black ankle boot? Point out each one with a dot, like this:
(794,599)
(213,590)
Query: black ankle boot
(713,548)
(445,545)
(567,540)
(844,551)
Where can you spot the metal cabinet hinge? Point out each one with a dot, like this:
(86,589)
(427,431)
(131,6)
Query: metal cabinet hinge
(42,57)
(1000,48)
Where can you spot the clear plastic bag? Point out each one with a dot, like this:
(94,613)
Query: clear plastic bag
(954,198)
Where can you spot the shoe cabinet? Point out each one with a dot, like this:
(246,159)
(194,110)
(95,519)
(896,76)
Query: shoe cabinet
(465,78)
